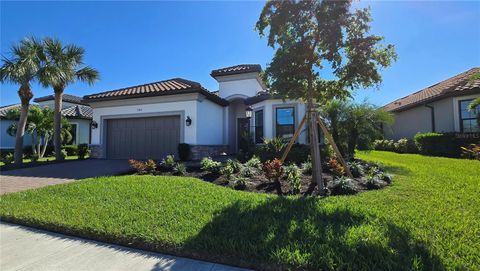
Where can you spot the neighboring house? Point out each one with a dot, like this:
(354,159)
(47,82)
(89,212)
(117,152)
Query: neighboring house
(438,108)
(150,120)
(77,112)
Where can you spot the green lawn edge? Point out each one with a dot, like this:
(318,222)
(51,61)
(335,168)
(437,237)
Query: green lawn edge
(428,219)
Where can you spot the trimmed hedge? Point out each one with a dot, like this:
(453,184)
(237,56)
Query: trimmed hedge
(442,144)
(71,149)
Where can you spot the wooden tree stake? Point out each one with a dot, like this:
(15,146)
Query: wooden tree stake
(335,148)
(294,138)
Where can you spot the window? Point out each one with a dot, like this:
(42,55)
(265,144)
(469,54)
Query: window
(468,120)
(259,126)
(285,122)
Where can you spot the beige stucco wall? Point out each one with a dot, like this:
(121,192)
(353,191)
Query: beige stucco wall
(418,119)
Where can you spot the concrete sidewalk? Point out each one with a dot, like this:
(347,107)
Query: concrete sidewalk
(23,248)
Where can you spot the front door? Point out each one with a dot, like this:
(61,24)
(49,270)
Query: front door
(243,133)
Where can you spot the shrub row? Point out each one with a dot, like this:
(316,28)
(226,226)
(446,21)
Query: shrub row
(435,144)
(401,146)
(442,144)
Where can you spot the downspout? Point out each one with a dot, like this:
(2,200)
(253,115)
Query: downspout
(432,113)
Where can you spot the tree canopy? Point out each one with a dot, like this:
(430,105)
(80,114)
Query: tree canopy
(315,36)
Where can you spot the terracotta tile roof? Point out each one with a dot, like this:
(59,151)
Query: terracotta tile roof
(461,84)
(238,69)
(78,112)
(66,98)
(160,88)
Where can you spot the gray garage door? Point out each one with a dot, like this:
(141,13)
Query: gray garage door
(143,138)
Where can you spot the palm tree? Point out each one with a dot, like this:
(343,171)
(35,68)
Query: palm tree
(354,125)
(22,69)
(63,66)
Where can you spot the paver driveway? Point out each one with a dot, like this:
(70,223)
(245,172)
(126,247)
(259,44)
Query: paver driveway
(35,177)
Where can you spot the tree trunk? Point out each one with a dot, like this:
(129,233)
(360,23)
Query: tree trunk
(315,149)
(57,137)
(45,143)
(25,95)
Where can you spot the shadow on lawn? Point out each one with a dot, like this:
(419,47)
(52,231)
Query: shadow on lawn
(301,233)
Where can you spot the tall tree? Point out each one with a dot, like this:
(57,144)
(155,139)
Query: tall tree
(312,35)
(22,69)
(63,66)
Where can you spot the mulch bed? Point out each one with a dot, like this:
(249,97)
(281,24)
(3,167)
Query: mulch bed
(260,184)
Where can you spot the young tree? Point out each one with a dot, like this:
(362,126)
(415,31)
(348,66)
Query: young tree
(39,126)
(21,69)
(64,66)
(311,35)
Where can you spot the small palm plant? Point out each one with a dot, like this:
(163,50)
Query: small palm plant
(63,66)
(21,69)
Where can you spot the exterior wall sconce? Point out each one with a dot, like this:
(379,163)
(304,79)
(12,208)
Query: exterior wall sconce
(94,124)
(188,121)
(248,112)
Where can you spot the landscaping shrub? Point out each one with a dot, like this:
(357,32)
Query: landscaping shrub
(384,145)
(71,149)
(472,151)
(210,166)
(8,158)
(343,186)
(150,166)
(83,151)
(168,162)
(240,183)
(228,171)
(299,153)
(292,173)
(307,167)
(248,171)
(374,182)
(234,164)
(138,166)
(63,153)
(273,169)
(180,169)
(254,162)
(184,151)
(403,145)
(437,144)
(34,157)
(356,169)
(335,167)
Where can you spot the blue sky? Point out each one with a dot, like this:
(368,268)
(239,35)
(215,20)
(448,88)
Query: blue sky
(139,42)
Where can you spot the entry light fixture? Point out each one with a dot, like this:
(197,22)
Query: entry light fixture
(94,124)
(248,112)
(188,121)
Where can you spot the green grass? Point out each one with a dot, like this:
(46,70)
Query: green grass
(429,219)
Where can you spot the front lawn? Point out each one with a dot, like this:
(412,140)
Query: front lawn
(429,219)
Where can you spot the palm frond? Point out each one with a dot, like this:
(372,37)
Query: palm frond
(88,75)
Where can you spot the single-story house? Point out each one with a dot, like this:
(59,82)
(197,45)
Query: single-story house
(150,120)
(77,112)
(438,108)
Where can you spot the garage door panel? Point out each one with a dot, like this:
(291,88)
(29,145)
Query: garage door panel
(143,138)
